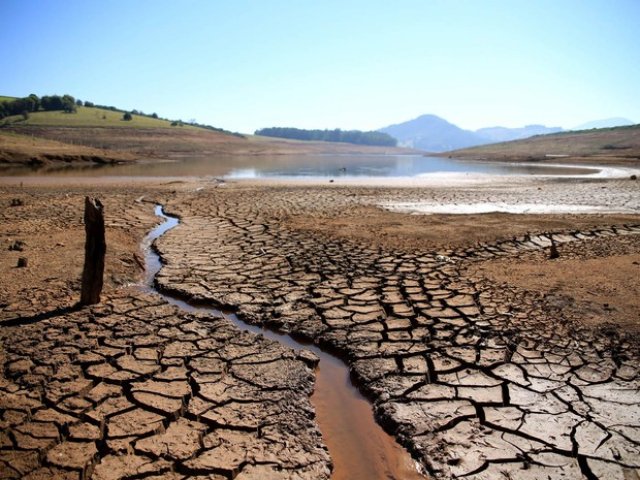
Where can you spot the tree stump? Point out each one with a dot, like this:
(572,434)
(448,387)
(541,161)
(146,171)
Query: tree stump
(553,251)
(95,248)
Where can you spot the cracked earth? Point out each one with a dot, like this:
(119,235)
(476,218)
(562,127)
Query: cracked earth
(477,378)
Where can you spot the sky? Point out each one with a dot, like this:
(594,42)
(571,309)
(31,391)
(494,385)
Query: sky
(351,64)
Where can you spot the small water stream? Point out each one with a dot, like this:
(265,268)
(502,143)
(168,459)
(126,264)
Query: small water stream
(359,447)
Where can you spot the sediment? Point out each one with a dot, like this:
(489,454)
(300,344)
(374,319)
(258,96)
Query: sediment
(477,377)
(478,380)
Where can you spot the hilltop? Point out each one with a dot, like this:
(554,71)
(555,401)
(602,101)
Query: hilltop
(92,133)
(611,145)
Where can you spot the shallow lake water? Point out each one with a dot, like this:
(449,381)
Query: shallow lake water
(300,166)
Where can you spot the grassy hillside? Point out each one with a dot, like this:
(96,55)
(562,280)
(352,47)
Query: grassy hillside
(6,99)
(619,145)
(102,135)
(86,117)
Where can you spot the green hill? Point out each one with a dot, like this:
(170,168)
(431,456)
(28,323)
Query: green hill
(86,117)
(618,144)
(60,128)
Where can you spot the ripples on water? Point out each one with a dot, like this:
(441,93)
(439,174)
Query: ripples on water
(305,166)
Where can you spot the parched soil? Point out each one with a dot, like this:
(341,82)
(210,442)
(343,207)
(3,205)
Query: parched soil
(595,283)
(176,143)
(32,150)
(133,387)
(476,378)
(482,356)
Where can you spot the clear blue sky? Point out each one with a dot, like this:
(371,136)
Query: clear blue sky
(242,65)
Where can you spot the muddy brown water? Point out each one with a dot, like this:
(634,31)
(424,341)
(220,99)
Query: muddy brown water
(359,447)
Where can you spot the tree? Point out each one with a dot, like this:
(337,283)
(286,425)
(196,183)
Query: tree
(52,102)
(127,116)
(69,104)
(35,102)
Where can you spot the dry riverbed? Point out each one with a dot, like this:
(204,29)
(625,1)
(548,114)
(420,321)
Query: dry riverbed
(484,358)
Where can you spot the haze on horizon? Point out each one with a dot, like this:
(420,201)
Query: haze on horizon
(243,65)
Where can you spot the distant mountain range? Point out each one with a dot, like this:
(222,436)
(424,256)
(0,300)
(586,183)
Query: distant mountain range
(434,134)
(605,123)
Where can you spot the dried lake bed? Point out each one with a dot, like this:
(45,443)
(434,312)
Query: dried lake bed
(475,374)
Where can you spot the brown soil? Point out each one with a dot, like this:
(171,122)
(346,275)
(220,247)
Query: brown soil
(32,150)
(443,232)
(177,143)
(48,230)
(482,357)
(596,283)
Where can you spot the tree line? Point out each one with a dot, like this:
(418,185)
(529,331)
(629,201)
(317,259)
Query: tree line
(26,105)
(345,136)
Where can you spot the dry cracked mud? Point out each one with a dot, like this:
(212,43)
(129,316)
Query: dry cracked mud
(134,388)
(478,380)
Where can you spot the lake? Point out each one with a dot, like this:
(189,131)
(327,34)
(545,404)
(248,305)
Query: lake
(306,166)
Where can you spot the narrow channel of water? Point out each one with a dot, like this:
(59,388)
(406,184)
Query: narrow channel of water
(359,447)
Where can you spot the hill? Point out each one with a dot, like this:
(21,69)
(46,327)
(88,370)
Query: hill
(503,134)
(101,134)
(431,133)
(31,150)
(85,117)
(434,134)
(608,145)
(357,137)
(605,123)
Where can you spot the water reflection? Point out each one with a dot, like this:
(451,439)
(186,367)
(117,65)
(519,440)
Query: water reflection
(286,166)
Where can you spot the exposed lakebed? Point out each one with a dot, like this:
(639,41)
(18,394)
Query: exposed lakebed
(303,166)
(358,446)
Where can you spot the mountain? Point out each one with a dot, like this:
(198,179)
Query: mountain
(503,134)
(605,123)
(434,134)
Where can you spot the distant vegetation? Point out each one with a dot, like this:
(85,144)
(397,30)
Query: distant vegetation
(52,110)
(345,136)
(32,103)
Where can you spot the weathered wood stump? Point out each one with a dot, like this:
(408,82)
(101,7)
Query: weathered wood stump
(553,251)
(95,248)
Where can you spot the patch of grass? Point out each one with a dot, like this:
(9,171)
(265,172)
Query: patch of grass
(87,117)
(6,99)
